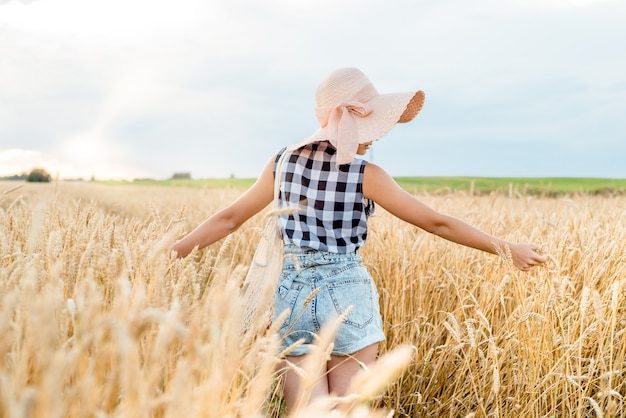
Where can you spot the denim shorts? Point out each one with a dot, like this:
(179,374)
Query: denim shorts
(343,282)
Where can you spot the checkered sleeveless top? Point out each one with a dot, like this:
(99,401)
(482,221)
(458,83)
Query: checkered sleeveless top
(328,210)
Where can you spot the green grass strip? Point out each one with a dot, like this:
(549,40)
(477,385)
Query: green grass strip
(526,185)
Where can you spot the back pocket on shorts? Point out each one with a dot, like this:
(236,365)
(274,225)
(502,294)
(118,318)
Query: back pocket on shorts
(356,293)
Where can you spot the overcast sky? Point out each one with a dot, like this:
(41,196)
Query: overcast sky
(146,88)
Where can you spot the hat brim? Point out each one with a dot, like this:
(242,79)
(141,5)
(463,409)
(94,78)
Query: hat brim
(387,111)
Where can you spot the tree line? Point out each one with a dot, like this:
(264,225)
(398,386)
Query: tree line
(36,175)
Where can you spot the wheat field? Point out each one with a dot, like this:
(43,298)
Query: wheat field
(97,320)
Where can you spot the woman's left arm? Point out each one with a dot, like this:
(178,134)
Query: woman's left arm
(229,219)
(381,188)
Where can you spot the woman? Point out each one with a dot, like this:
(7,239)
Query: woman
(332,194)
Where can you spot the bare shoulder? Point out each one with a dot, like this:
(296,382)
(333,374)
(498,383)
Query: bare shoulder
(380,187)
(266,178)
(377,183)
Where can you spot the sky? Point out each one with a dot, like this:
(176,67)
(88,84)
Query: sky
(147,88)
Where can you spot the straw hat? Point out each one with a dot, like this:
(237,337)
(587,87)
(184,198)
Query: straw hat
(350,112)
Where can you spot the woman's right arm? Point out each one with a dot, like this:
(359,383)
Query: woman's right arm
(229,219)
(382,189)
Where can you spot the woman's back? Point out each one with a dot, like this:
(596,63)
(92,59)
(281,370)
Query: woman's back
(329,210)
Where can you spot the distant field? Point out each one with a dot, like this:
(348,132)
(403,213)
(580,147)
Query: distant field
(531,185)
(510,185)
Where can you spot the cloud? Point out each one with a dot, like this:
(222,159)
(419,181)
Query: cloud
(112,22)
(18,1)
(18,161)
(216,87)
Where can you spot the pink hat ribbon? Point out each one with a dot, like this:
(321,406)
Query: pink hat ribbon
(343,128)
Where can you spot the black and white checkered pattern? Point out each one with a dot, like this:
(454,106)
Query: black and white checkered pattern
(329,210)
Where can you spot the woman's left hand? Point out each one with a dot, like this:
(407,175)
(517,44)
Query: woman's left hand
(526,256)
